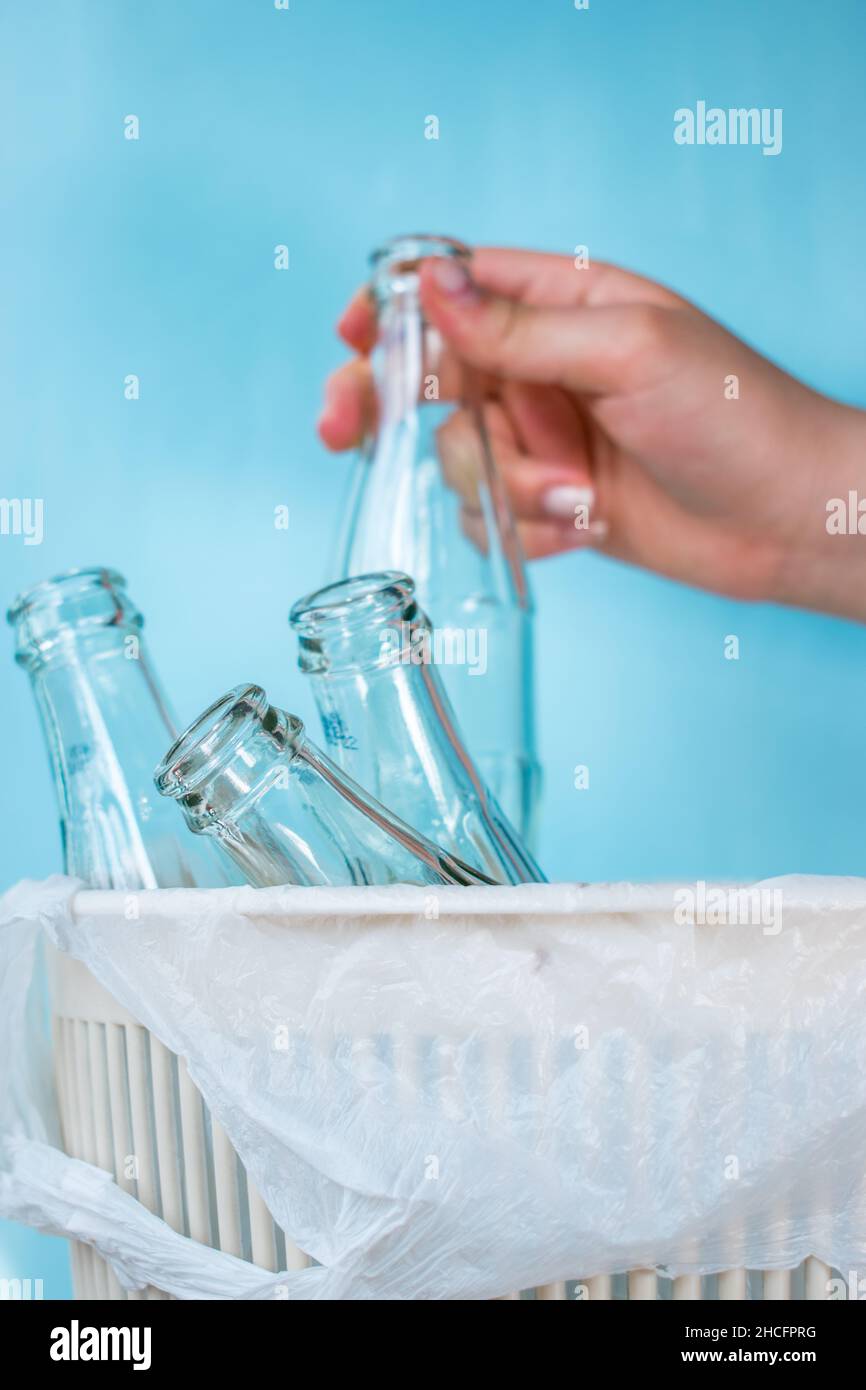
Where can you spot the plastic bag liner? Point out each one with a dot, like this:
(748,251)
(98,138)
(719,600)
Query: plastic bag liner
(454,1093)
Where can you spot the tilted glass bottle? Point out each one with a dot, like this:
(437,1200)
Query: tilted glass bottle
(105,722)
(371,655)
(246,774)
(428,500)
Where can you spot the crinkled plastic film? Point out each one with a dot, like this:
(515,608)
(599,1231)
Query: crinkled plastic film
(455,1093)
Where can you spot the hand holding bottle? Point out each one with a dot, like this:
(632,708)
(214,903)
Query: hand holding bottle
(627,420)
(428,501)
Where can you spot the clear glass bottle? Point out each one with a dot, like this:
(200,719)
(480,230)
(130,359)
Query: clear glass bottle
(246,774)
(371,655)
(464,555)
(105,723)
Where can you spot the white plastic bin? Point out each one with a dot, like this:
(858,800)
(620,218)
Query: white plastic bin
(128,1105)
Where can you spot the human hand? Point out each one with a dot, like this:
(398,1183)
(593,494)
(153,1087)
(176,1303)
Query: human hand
(615,402)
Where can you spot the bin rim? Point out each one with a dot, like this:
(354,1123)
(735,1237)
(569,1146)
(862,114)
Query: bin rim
(820,893)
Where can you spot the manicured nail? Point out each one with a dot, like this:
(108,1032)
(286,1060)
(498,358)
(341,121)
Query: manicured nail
(453,280)
(570,503)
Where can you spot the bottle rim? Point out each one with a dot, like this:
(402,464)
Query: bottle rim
(360,599)
(411,247)
(212,740)
(63,585)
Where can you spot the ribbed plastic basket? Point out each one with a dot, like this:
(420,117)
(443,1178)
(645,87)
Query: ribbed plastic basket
(127,1104)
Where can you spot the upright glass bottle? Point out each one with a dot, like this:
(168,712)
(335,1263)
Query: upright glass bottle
(370,652)
(459,543)
(246,774)
(105,723)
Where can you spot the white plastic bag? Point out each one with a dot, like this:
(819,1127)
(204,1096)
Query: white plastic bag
(459,1092)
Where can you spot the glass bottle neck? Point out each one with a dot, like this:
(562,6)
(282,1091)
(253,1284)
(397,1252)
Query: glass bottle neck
(407,356)
(373,658)
(229,758)
(396,264)
(367,635)
(105,723)
(246,773)
(367,623)
(408,363)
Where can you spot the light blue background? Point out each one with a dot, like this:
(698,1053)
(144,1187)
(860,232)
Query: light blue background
(261,127)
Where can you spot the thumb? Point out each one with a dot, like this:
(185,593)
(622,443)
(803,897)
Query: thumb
(600,348)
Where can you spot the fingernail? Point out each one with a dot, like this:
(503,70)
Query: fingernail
(453,280)
(567,502)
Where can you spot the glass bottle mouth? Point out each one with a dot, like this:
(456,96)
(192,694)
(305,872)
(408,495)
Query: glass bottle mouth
(71,605)
(396,264)
(356,602)
(361,621)
(230,730)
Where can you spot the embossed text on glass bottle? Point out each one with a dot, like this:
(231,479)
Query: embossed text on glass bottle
(371,656)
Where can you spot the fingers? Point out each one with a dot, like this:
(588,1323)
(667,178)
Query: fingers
(557,487)
(349,411)
(352,404)
(542,493)
(357,324)
(597,330)
(541,539)
(548,281)
(460,446)
(352,397)
(536,278)
(602,350)
(546,420)
(538,539)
